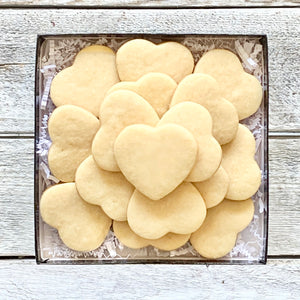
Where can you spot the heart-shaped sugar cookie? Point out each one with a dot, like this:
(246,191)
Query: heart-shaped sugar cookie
(204,89)
(182,212)
(156,88)
(81,226)
(214,189)
(155,160)
(240,165)
(110,190)
(119,109)
(129,238)
(71,130)
(139,57)
(243,90)
(197,120)
(85,83)
(217,235)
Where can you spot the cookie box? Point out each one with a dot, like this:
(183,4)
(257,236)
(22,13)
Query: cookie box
(57,52)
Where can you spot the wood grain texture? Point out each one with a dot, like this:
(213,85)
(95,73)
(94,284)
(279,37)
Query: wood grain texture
(21,27)
(22,279)
(16,197)
(279,279)
(151,3)
(17,98)
(284,161)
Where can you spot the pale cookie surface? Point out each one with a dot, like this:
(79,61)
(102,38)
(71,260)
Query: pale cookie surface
(217,235)
(85,83)
(71,130)
(182,212)
(214,189)
(197,120)
(243,90)
(81,226)
(119,109)
(155,160)
(129,238)
(240,165)
(204,90)
(156,88)
(110,190)
(139,57)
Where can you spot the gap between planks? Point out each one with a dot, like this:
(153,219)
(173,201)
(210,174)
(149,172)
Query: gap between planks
(95,7)
(16,135)
(271,135)
(160,4)
(32,257)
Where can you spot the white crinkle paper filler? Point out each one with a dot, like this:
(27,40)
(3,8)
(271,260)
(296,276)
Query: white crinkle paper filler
(59,53)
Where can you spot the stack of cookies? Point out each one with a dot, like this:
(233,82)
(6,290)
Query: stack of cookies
(151,144)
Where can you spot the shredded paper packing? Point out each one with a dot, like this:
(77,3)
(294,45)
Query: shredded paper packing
(59,53)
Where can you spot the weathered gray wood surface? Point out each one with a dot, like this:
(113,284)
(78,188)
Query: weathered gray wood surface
(151,3)
(24,280)
(16,197)
(21,27)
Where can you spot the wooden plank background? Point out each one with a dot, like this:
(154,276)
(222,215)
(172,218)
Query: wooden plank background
(277,280)
(20,22)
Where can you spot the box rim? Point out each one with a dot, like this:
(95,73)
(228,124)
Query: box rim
(40,38)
